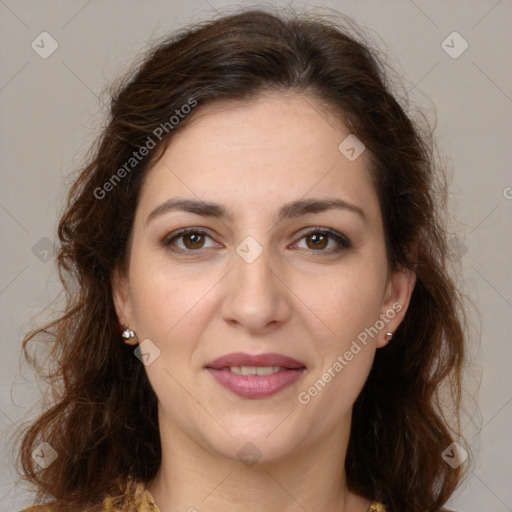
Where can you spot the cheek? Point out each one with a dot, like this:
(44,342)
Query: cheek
(164,299)
(347,300)
(348,307)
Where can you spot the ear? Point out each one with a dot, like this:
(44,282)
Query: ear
(122,301)
(396,301)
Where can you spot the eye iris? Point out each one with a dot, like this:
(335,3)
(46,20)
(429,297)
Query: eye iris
(198,240)
(317,237)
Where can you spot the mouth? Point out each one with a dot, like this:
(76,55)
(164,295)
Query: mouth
(257,376)
(243,360)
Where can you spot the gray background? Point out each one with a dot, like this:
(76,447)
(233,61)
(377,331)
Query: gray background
(52,108)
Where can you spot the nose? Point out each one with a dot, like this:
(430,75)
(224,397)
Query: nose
(256,297)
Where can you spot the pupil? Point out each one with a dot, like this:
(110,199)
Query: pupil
(318,239)
(195,236)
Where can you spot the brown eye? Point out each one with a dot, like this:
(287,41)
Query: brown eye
(193,239)
(319,239)
(196,240)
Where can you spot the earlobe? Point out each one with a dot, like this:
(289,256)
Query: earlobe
(121,299)
(398,296)
(129,336)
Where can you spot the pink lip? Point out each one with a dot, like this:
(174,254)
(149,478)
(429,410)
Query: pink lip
(255,386)
(243,359)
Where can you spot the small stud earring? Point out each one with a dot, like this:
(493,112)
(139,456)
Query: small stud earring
(128,333)
(388,336)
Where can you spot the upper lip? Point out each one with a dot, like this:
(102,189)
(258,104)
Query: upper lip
(243,359)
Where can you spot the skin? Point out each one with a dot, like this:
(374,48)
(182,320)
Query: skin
(294,299)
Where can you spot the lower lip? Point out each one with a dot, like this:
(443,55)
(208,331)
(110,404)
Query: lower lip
(256,386)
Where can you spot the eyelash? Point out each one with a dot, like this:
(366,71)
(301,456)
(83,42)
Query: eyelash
(342,240)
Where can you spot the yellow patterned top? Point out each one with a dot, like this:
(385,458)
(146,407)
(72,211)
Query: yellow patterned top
(134,497)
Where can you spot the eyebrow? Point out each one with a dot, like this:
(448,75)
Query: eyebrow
(291,210)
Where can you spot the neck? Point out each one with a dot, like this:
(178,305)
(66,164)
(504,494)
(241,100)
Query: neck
(192,478)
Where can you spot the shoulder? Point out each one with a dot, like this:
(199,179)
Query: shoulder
(131,496)
(377,507)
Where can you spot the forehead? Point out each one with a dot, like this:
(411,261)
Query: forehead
(260,154)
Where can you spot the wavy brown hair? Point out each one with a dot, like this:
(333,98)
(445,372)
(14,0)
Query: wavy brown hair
(103,419)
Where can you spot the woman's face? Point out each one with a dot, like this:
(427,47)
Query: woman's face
(262,276)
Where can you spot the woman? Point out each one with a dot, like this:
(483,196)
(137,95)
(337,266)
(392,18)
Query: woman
(259,311)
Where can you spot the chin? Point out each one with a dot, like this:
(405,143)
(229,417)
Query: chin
(256,440)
